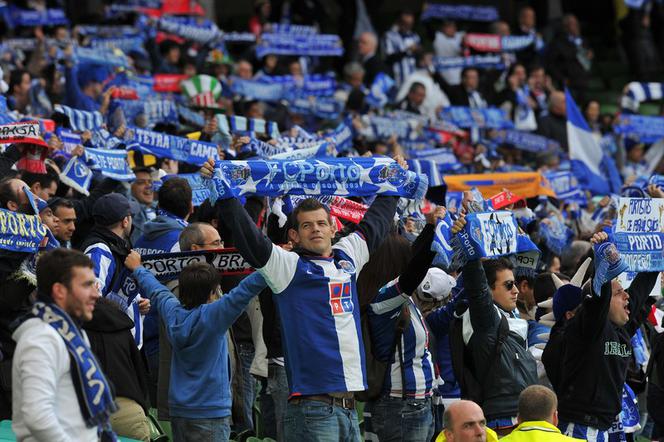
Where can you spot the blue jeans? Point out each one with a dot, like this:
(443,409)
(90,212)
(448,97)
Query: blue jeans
(201,430)
(246,353)
(277,388)
(415,425)
(312,421)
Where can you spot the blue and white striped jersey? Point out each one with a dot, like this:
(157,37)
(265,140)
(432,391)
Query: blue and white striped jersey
(320,316)
(105,267)
(395,43)
(383,313)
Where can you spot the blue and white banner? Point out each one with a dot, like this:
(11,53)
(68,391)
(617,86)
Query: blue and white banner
(566,187)
(335,176)
(257,90)
(382,128)
(286,28)
(319,85)
(342,136)
(99,56)
(322,150)
(81,120)
(467,117)
(301,45)
(262,149)
(476,61)
(527,141)
(163,145)
(459,12)
(238,37)
(110,162)
(20,232)
(638,233)
(191,28)
(77,176)
(109,31)
(637,92)
(595,170)
(199,189)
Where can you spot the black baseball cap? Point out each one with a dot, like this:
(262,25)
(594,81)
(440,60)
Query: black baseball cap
(112,208)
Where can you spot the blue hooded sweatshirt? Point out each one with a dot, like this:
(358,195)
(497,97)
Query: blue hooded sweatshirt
(159,236)
(200,366)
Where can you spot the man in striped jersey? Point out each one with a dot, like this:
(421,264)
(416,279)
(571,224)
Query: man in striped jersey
(401,46)
(107,245)
(316,294)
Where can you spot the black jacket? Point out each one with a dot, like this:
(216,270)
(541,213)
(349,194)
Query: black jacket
(372,66)
(588,356)
(16,287)
(555,128)
(516,368)
(563,65)
(111,340)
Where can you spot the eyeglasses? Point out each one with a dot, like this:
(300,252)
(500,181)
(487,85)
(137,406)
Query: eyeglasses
(509,285)
(215,243)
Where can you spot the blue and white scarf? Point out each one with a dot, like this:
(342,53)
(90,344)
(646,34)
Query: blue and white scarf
(477,61)
(199,189)
(488,234)
(125,44)
(322,150)
(77,176)
(467,117)
(557,236)
(566,187)
(190,116)
(70,140)
(234,123)
(638,92)
(313,84)
(191,28)
(238,37)
(426,167)
(336,176)
(648,129)
(108,31)
(16,16)
(301,45)
(382,90)
(287,28)
(99,56)
(110,162)
(442,242)
(20,232)
(342,136)
(257,90)
(525,140)
(153,110)
(262,149)
(459,12)
(609,263)
(324,108)
(95,397)
(81,120)
(384,127)
(163,145)
(167,266)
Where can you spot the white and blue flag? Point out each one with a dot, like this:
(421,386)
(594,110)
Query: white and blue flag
(595,170)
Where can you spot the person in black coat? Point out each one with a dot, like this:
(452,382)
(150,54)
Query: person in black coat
(367,46)
(109,333)
(465,94)
(554,124)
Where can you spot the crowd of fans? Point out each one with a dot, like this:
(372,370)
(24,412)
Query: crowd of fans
(322,315)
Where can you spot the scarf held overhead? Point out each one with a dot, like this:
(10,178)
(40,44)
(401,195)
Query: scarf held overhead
(334,176)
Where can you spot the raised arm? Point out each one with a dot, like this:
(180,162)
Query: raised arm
(639,292)
(160,296)
(230,306)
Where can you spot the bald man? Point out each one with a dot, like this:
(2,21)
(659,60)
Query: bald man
(538,417)
(464,421)
(367,44)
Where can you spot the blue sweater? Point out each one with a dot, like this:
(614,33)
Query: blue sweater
(200,366)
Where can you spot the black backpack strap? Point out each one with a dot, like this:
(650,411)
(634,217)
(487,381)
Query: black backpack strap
(402,322)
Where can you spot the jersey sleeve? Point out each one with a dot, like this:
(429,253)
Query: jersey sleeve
(356,248)
(280,269)
(103,265)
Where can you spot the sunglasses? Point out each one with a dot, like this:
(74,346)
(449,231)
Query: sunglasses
(509,285)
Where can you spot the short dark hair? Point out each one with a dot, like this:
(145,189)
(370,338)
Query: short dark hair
(56,266)
(15,78)
(7,194)
(190,235)
(45,179)
(467,69)
(493,266)
(307,205)
(175,196)
(537,403)
(57,202)
(196,282)
(415,85)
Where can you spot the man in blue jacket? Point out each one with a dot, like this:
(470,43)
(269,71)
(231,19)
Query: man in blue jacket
(196,325)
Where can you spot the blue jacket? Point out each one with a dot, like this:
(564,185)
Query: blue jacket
(160,236)
(200,385)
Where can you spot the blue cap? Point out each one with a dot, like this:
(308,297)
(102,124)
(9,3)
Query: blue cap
(565,299)
(112,208)
(88,73)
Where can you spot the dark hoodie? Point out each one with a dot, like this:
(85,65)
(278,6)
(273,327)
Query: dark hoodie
(160,235)
(111,340)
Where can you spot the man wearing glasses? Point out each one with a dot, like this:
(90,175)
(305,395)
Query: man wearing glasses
(503,369)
